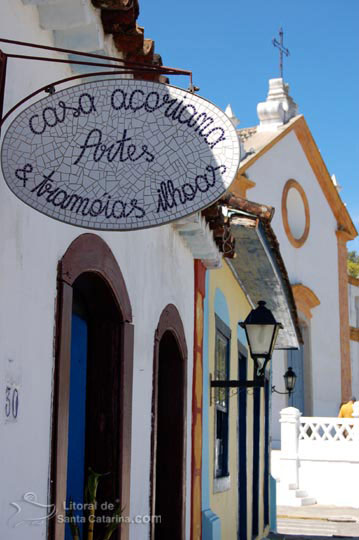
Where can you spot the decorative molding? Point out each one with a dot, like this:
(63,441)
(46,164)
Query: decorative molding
(197,399)
(199,239)
(296,242)
(305,299)
(240,185)
(353,281)
(343,235)
(354,333)
(89,253)
(346,371)
(278,108)
(305,138)
(321,172)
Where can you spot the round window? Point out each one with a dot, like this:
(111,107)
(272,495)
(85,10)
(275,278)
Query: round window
(295,213)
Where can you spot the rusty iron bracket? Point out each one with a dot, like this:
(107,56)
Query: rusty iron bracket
(120,67)
(3,64)
(258,382)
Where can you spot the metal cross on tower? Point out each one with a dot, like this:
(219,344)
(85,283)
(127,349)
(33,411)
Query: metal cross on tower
(282,50)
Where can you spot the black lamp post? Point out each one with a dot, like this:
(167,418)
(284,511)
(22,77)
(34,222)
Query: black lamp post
(261,330)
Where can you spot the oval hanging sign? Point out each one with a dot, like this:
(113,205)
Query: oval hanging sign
(120,154)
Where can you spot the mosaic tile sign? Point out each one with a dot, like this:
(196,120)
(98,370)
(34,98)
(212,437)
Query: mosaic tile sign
(120,154)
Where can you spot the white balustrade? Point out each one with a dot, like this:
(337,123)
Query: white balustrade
(319,455)
(327,429)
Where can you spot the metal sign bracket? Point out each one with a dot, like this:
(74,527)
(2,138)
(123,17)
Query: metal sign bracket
(3,65)
(118,67)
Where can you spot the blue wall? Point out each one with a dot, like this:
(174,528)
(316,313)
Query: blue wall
(205,420)
(221,307)
(211,524)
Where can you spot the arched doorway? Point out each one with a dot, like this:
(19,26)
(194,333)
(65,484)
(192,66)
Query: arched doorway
(301,361)
(94,412)
(93,379)
(168,470)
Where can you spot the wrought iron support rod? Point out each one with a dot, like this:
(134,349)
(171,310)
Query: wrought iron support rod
(238,384)
(282,393)
(3,64)
(142,67)
(174,71)
(128,68)
(59,49)
(61,81)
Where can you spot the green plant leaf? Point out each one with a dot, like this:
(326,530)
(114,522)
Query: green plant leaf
(92,485)
(91,497)
(75,531)
(111,527)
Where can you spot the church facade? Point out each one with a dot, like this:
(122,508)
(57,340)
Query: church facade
(284,167)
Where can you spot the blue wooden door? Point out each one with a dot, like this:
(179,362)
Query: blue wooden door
(77,418)
(296,361)
(266,453)
(242,450)
(256,459)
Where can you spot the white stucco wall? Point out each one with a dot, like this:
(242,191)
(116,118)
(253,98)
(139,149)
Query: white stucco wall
(157,268)
(315,265)
(354,357)
(353,294)
(322,463)
(353,298)
(279,402)
(19,22)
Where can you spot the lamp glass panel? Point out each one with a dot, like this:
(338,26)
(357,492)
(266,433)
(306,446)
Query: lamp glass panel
(260,338)
(290,379)
(221,370)
(275,330)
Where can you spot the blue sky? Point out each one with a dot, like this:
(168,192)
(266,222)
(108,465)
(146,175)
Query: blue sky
(228,47)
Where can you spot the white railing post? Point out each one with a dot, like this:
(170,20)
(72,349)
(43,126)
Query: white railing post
(289,420)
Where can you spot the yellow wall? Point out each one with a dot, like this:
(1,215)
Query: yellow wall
(225,504)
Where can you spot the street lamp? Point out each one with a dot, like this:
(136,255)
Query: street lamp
(261,331)
(289,381)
